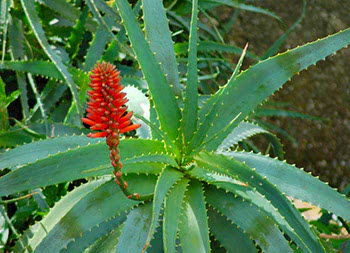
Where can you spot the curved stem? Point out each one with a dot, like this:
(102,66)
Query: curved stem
(124,187)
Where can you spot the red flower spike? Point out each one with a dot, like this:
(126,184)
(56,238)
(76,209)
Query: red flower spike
(106,109)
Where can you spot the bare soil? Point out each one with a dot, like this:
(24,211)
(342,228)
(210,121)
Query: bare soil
(323,90)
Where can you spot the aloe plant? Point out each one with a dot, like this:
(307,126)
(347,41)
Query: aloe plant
(193,191)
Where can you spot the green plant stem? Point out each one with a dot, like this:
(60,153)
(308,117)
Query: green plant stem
(129,194)
(16,199)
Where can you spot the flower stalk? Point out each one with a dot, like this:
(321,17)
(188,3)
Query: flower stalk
(107,114)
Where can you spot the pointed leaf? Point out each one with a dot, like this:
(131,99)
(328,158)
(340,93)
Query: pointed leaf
(233,76)
(247,129)
(164,100)
(39,230)
(193,228)
(76,37)
(172,211)
(305,237)
(89,237)
(107,22)
(243,131)
(107,243)
(189,119)
(224,231)
(241,95)
(254,222)
(31,152)
(4,22)
(46,69)
(96,49)
(95,207)
(17,41)
(296,183)
(68,11)
(167,179)
(34,151)
(135,229)
(29,9)
(159,35)
(207,173)
(78,163)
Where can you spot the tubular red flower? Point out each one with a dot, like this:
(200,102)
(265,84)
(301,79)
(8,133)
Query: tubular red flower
(106,106)
(107,112)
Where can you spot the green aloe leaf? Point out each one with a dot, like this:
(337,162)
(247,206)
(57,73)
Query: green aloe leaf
(76,37)
(55,232)
(240,62)
(167,179)
(42,68)
(4,22)
(253,221)
(243,131)
(21,134)
(296,183)
(96,49)
(224,230)
(107,8)
(190,112)
(57,213)
(4,228)
(31,13)
(303,235)
(162,96)
(85,215)
(68,11)
(157,242)
(47,69)
(16,42)
(135,229)
(107,243)
(158,33)
(106,22)
(78,163)
(89,237)
(229,183)
(172,207)
(247,129)
(193,228)
(244,93)
(39,150)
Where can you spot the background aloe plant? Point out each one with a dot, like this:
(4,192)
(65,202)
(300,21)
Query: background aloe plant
(204,194)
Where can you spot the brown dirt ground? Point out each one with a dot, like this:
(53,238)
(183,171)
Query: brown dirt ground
(321,91)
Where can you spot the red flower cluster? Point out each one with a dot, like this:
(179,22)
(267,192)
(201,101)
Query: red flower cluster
(106,108)
(107,113)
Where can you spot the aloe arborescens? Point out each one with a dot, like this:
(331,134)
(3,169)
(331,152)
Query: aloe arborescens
(200,192)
